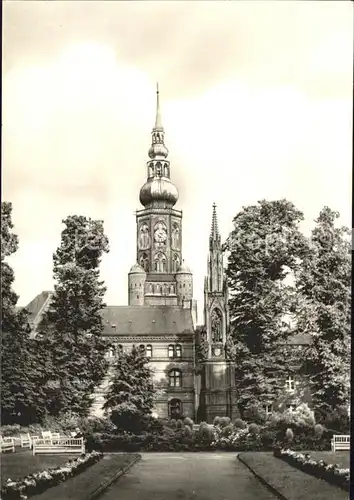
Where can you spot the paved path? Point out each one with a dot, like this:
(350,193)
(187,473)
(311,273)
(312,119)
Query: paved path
(188,476)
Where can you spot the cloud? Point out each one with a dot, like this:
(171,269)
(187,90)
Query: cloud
(251,106)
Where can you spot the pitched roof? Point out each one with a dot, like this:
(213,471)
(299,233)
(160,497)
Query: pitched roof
(37,304)
(149,320)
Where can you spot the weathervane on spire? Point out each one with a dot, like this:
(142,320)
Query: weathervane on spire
(158,124)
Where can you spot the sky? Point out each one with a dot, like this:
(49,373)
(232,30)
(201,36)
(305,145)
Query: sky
(256,102)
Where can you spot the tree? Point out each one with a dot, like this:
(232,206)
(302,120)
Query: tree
(324,283)
(72,326)
(18,382)
(265,248)
(130,397)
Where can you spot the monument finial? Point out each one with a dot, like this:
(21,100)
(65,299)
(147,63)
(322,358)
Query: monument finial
(158,123)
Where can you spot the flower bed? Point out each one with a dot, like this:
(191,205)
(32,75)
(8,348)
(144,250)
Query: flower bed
(331,473)
(40,481)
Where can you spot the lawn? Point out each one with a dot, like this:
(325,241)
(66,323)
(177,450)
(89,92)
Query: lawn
(21,463)
(341,458)
(84,484)
(291,482)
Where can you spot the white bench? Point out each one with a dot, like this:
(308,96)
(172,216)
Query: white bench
(26,441)
(340,442)
(7,444)
(59,445)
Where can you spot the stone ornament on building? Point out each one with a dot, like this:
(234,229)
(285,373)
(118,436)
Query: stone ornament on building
(160,235)
(175,241)
(216,325)
(217,351)
(144,237)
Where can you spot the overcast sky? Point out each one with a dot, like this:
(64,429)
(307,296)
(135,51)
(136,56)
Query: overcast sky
(256,103)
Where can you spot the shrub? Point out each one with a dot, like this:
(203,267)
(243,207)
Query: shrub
(240,424)
(188,430)
(300,420)
(318,430)
(173,423)
(216,421)
(10,430)
(34,428)
(289,435)
(224,421)
(337,419)
(206,432)
(256,414)
(227,430)
(188,421)
(253,429)
(179,424)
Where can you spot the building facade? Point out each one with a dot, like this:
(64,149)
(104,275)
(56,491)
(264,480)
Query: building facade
(161,314)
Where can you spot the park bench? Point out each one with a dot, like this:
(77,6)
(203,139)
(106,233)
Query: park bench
(340,442)
(7,444)
(59,445)
(26,441)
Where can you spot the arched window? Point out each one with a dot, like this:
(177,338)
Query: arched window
(178,351)
(160,263)
(216,325)
(142,347)
(119,349)
(171,351)
(144,262)
(175,408)
(175,378)
(175,263)
(148,351)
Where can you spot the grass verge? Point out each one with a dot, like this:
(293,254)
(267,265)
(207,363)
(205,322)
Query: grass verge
(83,486)
(289,482)
(22,463)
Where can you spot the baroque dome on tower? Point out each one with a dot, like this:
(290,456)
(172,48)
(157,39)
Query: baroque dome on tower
(158,191)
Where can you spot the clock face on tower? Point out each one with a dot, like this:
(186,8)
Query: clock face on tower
(160,234)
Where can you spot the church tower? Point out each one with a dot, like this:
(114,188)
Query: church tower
(159,277)
(216,392)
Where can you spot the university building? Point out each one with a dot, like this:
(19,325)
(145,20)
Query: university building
(161,315)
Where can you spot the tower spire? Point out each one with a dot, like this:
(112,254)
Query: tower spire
(214,233)
(158,123)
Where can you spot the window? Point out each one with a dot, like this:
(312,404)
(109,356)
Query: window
(142,347)
(160,263)
(148,351)
(175,378)
(290,384)
(268,409)
(175,351)
(175,408)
